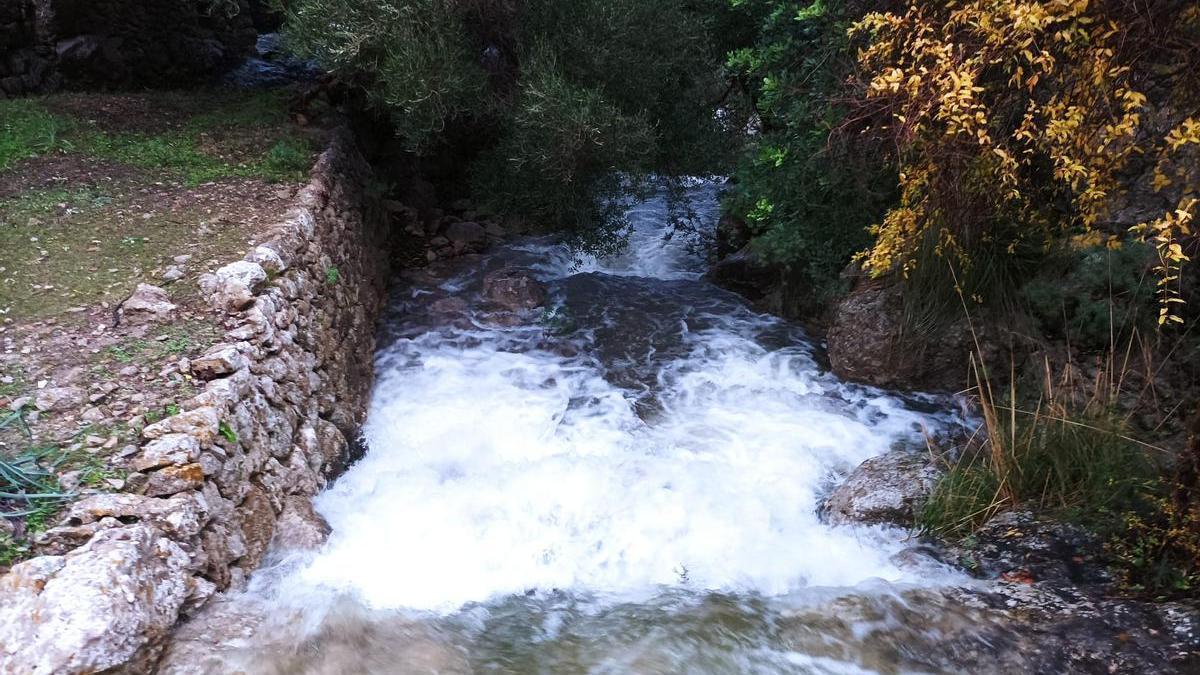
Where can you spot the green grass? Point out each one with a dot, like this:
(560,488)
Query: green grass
(27,129)
(1083,470)
(180,153)
(256,126)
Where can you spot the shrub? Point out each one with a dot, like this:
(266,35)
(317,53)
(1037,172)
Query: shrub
(997,111)
(555,108)
(808,194)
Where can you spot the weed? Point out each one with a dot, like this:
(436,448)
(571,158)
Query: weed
(129,350)
(332,275)
(288,159)
(228,433)
(27,130)
(177,345)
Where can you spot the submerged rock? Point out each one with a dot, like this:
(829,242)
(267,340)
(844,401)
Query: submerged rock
(891,488)
(513,290)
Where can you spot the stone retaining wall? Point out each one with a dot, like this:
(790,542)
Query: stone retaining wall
(283,398)
(123,43)
(27,59)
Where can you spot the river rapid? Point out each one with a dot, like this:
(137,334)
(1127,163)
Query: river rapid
(626,481)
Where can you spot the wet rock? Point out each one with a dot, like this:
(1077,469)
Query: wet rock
(891,488)
(1020,547)
(513,290)
(110,603)
(60,399)
(300,527)
(466,236)
(744,273)
(233,286)
(147,304)
(256,518)
(733,235)
(448,306)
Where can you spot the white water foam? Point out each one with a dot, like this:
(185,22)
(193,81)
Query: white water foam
(497,470)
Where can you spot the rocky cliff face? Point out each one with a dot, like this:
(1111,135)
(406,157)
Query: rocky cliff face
(283,396)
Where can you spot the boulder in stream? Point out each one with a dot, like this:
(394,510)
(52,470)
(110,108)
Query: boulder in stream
(891,488)
(513,290)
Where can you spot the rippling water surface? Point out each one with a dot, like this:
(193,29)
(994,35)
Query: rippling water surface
(624,482)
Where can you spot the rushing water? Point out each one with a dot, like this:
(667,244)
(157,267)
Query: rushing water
(624,482)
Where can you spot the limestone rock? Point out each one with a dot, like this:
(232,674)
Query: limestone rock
(60,399)
(218,362)
(300,527)
(175,479)
(233,286)
(168,450)
(110,603)
(890,488)
(147,304)
(203,424)
(181,516)
(513,290)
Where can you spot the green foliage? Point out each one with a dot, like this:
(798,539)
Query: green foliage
(228,433)
(1089,295)
(413,56)
(27,130)
(559,110)
(332,275)
(807,193)
(1084,469)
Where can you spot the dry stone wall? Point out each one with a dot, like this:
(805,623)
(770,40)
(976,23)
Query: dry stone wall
(27,59)
(123,43)
(282,400)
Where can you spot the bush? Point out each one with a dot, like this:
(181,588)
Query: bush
(1091,295)
(556,108)
(808,193)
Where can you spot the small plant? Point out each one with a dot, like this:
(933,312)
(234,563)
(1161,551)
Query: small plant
(29,496)
(228,433)
(128,350)
(332,275)
(288,159)
(177,345)
(27,130)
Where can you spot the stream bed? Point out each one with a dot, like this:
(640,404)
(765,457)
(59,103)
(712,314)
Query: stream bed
(623,481)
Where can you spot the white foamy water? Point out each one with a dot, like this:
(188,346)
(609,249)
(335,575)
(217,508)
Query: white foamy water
(683,443)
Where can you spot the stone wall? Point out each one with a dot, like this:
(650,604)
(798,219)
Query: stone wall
(148,44)
(27,59)
(283,397)
(123,43)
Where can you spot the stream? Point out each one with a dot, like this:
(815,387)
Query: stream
(626,481)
